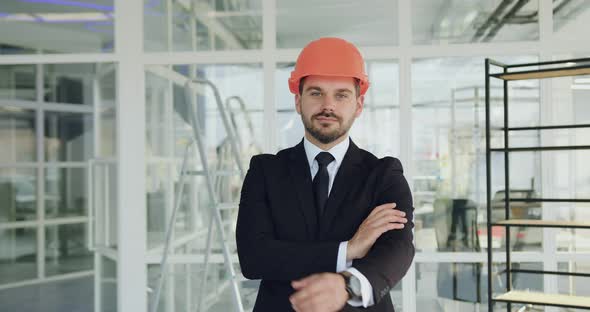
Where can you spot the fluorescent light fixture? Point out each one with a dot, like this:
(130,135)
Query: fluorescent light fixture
(580,87)
(19,18)
(70,3)
(582,80)
(72,17)
(570,64)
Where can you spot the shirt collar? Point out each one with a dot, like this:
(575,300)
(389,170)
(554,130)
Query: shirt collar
(338,151)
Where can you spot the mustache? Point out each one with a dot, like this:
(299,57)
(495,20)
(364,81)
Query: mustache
(327,115)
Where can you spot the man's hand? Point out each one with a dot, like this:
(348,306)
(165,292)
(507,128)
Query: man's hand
(323,292)
(382,219)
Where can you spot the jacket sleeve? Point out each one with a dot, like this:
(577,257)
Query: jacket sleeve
(261,254)
(389,259)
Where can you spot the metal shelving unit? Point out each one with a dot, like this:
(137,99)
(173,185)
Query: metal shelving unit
(553,69)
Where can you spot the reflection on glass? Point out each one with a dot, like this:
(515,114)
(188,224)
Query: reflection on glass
(18,194)
(364,23)
(240,89)
(69,83)
(203,25)
(474,21)
(18,254)
(65,192)
(449,151)
(17,134)
(68,136)
(567,16)
(66,249)
(464,286)
(17,82)
(56,26)
(377,129)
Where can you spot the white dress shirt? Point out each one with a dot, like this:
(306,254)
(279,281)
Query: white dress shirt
(338,151)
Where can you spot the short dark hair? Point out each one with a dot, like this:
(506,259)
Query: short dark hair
(357,86)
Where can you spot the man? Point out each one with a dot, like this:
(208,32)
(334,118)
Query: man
(326,225)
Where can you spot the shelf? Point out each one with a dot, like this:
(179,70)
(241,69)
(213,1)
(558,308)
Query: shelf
(543,223)
(544,73)
(549,200)
(547,127)
(544,299)
(550,272)
(541,148)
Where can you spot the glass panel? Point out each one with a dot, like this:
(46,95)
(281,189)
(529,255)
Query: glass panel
(104,195)
(17,134)
(570,168)
(107,80)
(18,194)
(66,249)
(573,285)
(69,83)
(17,82)
(65,192)
(108,132)
(464,286)
(440,22)
(364,23)
(570,19)
(18,255)
(449,152)
(158,211)
(158,120)
(203,25)
(68,136)
(377,129)
(109,285)
(380,114)
(53,26)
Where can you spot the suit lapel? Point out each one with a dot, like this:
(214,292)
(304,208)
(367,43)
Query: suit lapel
(345,179)
(301,175)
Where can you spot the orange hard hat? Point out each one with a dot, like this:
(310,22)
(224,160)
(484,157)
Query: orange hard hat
(329,57)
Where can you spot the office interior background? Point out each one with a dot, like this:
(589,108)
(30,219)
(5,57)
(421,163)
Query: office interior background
(97,118)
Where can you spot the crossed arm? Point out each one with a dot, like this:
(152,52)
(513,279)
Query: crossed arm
(381,249)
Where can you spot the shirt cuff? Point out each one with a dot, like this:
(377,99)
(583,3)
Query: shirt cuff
(341,263)
(366,290)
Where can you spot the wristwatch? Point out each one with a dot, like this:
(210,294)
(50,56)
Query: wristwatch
(353,285)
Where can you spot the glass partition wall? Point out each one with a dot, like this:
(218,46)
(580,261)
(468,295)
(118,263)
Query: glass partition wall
(98,119)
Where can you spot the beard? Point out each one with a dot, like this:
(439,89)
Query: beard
(323,134)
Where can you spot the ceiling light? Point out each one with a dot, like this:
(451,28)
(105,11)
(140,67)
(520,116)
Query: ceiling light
(19,18)
(71,3)
(570,64)
(582,80)
(72,17)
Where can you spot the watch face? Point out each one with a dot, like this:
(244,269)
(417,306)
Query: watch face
(355,285)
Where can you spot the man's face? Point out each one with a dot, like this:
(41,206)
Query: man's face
(328,106)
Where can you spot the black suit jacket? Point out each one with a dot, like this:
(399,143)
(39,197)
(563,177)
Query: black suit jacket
(279,238)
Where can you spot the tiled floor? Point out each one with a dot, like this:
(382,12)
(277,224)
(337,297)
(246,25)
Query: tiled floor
(76,295)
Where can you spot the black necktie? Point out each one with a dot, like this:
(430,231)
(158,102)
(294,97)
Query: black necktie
(321,181)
